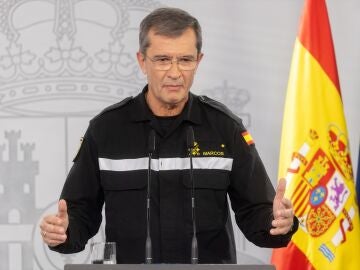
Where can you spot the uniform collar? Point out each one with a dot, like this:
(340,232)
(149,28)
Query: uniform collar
(142,111)
(191,111)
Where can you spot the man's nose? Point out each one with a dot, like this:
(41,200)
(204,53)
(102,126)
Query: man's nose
(174,71)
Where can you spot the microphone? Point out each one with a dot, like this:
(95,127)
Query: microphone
(190,139)
(148,246)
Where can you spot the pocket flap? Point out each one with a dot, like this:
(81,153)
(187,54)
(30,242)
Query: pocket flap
(116,181)
(208,180)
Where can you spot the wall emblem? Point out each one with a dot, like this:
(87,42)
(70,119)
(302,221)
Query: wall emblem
(234,98)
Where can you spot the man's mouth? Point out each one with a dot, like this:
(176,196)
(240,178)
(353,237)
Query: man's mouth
(172,86)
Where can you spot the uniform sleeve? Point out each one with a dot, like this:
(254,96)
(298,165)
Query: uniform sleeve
(251,194)
(84,197)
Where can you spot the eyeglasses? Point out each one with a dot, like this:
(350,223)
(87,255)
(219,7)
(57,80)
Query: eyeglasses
(164,62)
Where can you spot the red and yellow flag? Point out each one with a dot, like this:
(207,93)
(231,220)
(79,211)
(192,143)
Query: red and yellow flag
(315,155)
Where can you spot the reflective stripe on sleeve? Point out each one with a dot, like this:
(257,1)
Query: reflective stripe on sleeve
(163,164)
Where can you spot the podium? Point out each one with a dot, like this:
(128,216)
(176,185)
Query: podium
(167,267)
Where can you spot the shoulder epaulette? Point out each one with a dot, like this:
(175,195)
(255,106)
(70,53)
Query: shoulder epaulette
(115,106)
(220,107)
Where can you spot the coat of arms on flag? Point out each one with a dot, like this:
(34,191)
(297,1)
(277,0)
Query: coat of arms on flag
(320,195)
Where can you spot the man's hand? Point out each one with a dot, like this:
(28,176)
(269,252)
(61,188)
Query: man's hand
(53,227)
(282,211)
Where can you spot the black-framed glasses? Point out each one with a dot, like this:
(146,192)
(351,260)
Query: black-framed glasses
(164,62)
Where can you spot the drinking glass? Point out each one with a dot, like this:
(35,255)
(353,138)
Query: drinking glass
(103,253)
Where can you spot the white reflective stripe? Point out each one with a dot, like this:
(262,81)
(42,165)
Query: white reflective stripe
(122,165)
(164,164)
(214,163)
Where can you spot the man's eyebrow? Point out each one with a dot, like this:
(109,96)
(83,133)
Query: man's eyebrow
(189,56)
(168,56)
(161,56)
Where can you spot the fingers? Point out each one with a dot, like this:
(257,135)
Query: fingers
(282,226)
(53,230)
(282,211)
(52,224)
(53,239)
(286,203)
(284,214)
(283,223)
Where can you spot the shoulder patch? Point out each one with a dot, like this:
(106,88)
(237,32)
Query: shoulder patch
(220,107)
(79,148)
(247,137)
(115,106)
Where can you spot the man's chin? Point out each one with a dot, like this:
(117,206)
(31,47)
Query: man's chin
(176,100)
(173,103)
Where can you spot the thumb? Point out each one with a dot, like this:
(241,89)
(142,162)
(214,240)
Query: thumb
(280,190)
(62,209)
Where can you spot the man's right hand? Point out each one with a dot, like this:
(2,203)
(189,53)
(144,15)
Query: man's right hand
(53,227)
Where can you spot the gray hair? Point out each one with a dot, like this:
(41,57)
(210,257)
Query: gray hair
(169,22)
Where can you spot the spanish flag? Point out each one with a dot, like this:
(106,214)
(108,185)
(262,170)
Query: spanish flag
(358,178)
(315,155)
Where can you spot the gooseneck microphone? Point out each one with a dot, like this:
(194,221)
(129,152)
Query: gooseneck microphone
(190,144)
(148,246)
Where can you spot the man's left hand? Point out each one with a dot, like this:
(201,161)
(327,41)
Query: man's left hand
(282,210)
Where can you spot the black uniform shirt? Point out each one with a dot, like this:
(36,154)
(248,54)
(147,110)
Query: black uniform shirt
(112,167)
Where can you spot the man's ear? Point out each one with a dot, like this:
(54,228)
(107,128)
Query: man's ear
(200,56)
(141,60)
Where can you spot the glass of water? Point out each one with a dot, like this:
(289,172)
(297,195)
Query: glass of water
(103,253)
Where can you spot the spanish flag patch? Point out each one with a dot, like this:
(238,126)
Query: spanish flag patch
(247,137)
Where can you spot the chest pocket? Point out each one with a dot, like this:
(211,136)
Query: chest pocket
(122,181)
(210,198)
(125,204)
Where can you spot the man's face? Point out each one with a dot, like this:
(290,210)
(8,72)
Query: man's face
(169,87)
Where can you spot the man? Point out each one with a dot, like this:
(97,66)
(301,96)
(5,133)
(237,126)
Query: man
(112,166)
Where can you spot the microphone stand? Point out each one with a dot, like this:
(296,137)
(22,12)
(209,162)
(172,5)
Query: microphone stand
(194,244)
(148,245)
